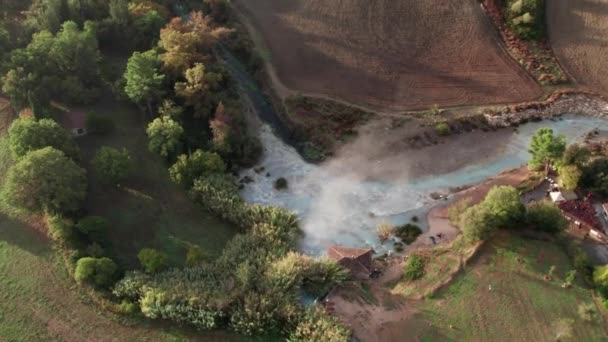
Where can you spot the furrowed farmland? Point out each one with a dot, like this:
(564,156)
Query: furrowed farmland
(389,54)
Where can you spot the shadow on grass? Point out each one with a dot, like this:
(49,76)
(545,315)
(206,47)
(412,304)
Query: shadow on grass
(20,234)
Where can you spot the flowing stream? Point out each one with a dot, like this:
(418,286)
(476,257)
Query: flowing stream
(341,208)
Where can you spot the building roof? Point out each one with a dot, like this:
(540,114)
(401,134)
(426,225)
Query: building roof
(357,260)
(582,211)
(563,195)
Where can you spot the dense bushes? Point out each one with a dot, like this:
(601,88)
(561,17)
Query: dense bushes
(101,272)
(27,135)
(414,267)
(408,233)
(526,18)
(317,326)
(546,216)
(152,260)
(112,165)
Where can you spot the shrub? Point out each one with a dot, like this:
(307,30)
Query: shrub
(414,267)
(587,311)
(385,231)
(546,216)
(408,233)
(457,209)
(477,223)
(195,255)
(442,128)
(152,260)
(569,177)
(100,272)
(128,308)
(281,184)
(60,228)
(93,227)
(317,326)
(112,165)
(99,124)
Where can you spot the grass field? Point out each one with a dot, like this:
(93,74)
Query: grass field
(148,210)
(520,306)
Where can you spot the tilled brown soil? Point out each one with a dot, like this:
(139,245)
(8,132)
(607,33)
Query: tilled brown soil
(578,30)
(388,54)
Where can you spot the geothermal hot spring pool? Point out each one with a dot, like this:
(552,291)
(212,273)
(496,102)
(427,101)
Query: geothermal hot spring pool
(342,208)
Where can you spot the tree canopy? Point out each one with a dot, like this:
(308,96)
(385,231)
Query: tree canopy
(546,148)
(143,80)
(112,165)
(45,180)
(164,136)
(64,66)
(504,205)
(27,134)
(187,168)
(569,177)
(546,216)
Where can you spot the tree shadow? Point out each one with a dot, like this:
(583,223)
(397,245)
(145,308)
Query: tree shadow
(24,236)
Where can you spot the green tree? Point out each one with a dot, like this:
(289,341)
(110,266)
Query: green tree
(477,223)
(26,135)
(503,203)
(546,148)
(600,276)
(113,165)
(101,272)
(164,136)
(169,109)
(569,177)
(45,180)
(576,154)
(187,168)
(546,216)
(595,176)
(152,260)
(143,80)
(200,90)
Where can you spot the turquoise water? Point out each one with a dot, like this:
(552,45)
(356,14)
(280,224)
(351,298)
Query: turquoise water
(338,208)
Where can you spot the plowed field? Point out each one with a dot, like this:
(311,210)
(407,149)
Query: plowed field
(578,30)
(388,54)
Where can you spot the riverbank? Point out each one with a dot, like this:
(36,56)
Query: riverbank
(437,217)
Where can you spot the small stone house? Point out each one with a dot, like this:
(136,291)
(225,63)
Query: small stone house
(358,261)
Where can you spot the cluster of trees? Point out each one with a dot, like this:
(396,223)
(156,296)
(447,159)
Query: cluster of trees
(47,179)
(254,286)
(181,83)
(196,123)
(577,165)
(502,208)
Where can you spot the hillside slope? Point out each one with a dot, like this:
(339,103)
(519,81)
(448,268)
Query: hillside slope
(578,30)
(389,54)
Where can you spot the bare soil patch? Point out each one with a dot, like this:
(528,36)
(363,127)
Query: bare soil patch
(389,54)
(578,30)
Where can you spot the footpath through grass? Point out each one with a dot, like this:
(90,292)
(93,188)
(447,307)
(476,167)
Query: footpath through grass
(503,296)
